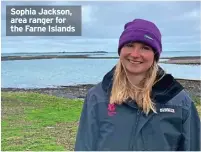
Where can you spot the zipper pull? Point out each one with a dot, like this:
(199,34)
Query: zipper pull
(138,112)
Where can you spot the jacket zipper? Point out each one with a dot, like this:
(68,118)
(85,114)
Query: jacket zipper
(137,119)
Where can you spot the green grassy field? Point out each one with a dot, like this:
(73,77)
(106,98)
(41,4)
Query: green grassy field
(38,122)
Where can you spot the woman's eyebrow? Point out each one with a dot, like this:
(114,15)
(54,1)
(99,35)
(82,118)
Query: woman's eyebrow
(146,45)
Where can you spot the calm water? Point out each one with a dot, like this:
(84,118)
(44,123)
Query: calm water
(56,72)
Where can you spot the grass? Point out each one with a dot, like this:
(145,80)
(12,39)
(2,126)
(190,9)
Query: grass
(197,101)
(32,121)
(38,122)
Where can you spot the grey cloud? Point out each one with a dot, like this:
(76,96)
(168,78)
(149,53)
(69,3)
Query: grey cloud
(104,22)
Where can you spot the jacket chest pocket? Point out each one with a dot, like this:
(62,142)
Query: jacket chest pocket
(160,133)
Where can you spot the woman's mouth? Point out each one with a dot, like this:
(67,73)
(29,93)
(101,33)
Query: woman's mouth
(134,62)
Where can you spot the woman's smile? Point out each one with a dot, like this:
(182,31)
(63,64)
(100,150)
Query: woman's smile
(134,62)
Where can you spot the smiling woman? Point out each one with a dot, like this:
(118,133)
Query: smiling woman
(137,97)
(139,55)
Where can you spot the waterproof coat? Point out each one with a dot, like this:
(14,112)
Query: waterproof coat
(106,127)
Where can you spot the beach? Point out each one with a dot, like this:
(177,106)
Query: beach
(193,87)
(183,60)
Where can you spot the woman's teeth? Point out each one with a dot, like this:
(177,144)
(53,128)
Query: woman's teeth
(134,62)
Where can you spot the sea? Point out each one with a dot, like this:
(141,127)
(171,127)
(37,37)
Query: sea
(52,73)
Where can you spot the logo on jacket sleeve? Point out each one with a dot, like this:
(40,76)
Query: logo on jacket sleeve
(167,110)
(111,109)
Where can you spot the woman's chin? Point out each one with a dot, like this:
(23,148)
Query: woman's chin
(134,71)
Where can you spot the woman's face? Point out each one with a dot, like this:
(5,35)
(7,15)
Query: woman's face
(137,58)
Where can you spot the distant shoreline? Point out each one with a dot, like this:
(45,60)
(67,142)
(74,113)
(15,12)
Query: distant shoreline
(190,60)
(195,60)
(56,52)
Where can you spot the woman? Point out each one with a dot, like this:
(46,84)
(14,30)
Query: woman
(137,106)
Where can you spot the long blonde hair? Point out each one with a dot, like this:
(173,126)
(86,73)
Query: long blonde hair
(122,88)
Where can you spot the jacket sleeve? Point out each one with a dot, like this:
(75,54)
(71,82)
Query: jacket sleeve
(191,130)
(87,133)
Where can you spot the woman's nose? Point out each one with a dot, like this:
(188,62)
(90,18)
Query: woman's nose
(135,52)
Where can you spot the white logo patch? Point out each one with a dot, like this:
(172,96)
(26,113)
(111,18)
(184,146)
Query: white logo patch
(167,110)
(146,36)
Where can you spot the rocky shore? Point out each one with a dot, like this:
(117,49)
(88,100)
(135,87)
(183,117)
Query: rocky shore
(193,87)
(195,60)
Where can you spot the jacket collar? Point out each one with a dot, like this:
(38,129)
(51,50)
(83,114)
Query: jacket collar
(162,91)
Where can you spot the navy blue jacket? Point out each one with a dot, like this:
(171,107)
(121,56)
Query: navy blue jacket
(175,126)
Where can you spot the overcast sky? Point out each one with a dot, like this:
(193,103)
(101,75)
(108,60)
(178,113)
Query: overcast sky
(103,22)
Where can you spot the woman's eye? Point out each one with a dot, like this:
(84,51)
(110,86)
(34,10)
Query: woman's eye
(129,45)
(145,48)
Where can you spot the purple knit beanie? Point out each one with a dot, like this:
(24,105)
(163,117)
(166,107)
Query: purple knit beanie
(140,30)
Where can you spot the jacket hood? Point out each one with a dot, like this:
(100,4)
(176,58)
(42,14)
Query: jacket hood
(162,91)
